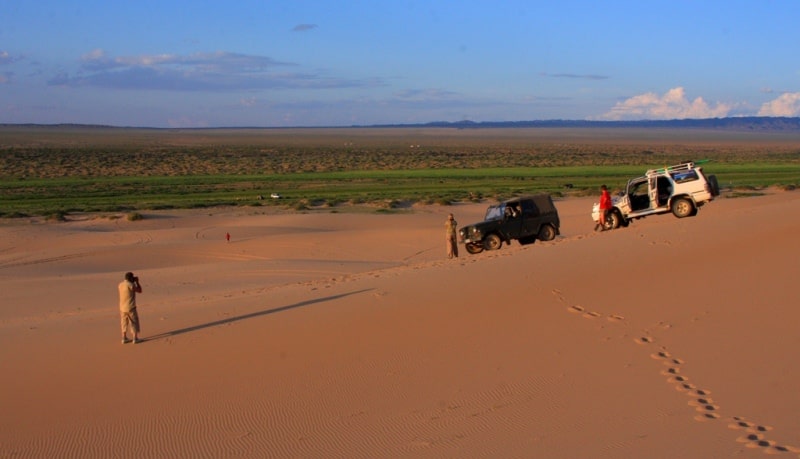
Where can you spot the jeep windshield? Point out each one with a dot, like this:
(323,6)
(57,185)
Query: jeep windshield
(495,212)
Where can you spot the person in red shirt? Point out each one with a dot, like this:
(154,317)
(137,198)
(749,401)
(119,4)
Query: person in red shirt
(605,206)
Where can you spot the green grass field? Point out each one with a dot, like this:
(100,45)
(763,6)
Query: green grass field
(58,170)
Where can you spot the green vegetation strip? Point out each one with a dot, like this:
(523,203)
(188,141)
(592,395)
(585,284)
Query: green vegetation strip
(61,169)
(299,190)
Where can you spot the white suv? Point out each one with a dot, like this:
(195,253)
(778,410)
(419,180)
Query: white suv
(680,189)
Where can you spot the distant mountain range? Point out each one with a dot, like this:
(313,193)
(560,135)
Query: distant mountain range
(750,123)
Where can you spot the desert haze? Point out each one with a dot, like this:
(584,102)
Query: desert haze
(338,334)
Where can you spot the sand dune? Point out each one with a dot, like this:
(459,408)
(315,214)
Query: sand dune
(351,335)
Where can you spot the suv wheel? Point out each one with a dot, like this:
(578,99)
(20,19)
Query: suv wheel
(492,242)
(613,219)
(547,233)
(682,207)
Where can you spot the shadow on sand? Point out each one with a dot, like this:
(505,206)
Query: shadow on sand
(251,315)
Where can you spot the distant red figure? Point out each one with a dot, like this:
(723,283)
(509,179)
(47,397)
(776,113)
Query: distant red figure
(228,237)
(605,206)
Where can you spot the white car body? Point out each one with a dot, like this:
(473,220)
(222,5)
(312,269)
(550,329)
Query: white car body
(680,189)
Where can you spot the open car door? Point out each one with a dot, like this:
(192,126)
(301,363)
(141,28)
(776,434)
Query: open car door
(652,191)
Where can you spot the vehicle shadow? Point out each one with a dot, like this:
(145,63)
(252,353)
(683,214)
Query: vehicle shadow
(251,315)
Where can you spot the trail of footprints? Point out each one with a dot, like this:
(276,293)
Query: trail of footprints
(754,435)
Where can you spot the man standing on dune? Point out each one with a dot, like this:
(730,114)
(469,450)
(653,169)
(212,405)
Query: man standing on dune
(129,318)
(450,226)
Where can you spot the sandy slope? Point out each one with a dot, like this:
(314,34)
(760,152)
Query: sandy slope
(342,335)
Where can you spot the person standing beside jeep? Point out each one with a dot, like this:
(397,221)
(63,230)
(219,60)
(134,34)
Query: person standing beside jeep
(605,206)
(129,318)
(450,226)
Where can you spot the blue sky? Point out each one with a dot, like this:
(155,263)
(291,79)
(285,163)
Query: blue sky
(199,63)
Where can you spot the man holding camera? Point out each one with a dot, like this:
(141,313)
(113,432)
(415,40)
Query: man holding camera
(128,289)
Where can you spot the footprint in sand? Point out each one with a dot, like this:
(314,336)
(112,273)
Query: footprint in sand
(692,390)
(755,437)
(701,401)
(706,417)
(671,371)
(678,379)
(577,309)
(741,423)
(661,355)
(685,387)
(704,407)
(758,441)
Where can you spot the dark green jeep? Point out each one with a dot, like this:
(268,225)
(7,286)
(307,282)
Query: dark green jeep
(525,219)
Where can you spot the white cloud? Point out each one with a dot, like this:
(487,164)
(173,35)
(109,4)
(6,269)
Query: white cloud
(575,75)
(248,102)
(672,105)
(213,71)
(6,58)
(425,94)
(788,104)
(148,60)
(93,55)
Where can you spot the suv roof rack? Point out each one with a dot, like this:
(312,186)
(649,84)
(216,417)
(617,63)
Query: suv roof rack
(685,166)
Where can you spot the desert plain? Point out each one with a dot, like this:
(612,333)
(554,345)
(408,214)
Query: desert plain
(343,334)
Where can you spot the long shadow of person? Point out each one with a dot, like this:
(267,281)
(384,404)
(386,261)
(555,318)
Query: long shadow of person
(251,315)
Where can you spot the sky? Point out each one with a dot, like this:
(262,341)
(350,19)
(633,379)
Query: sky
(182,64)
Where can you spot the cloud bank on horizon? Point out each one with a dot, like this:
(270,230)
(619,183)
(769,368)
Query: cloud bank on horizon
(251,65)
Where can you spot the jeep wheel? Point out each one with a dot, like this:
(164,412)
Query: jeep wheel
(682,207)
(492,242)
(547,233)
(473,248)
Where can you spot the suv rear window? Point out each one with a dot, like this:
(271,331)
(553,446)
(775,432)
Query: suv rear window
(684,176)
